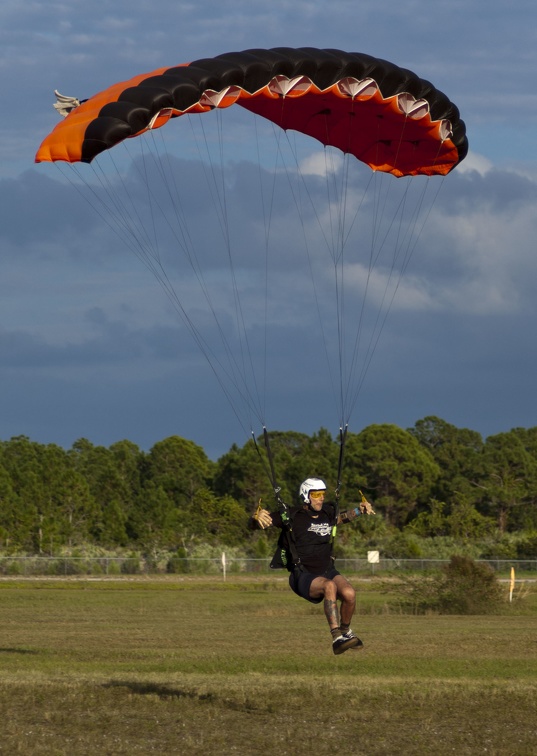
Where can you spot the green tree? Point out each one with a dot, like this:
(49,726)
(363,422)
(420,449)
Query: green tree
(242,474)
(180,467)
(156,521)
(391,464)
(465,523)
(130,464)
(109,489)
(432,521)
(298,456)
(457,452)
(224,519)
(47,485)
(508,478)
(16,518)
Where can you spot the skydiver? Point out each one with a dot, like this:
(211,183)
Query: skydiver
(305,548)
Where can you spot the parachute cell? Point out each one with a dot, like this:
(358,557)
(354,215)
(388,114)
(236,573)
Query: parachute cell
(386,116)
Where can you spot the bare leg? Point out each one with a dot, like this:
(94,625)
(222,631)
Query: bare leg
(333,590)
(347,596)
(328,589)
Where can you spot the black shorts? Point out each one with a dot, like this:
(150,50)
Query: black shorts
(300,582)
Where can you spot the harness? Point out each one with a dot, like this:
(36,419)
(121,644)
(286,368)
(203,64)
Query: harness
(286,554)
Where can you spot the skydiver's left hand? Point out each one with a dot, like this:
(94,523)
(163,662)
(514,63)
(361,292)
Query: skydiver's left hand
(366,508)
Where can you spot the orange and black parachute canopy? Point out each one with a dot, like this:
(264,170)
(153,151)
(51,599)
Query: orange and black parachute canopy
(384,115)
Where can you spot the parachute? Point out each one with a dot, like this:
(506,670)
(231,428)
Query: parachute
(347,100)
(358,110)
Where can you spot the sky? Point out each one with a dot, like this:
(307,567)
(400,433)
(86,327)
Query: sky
(91,346)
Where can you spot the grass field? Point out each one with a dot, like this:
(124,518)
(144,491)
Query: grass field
(190,666)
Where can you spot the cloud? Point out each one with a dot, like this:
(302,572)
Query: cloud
(92,345)
(475,162)
(84,304)
(320,164)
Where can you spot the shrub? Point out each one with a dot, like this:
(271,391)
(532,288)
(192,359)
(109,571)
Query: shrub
(176,565)
(462,587)
(502,547)
(130,566)
(468,588)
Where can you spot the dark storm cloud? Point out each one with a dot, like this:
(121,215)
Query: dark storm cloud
(91,346)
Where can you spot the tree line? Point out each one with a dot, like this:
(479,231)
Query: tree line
(433,483)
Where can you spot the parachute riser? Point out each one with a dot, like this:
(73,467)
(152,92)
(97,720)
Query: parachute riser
(342,441)
(337,492)
(270,470)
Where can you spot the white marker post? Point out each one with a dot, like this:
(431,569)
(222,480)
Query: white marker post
(512,584)
(224,564)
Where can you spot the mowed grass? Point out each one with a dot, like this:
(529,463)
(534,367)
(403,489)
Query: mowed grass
(193,666)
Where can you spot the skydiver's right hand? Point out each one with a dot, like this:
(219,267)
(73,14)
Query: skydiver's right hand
(263,518)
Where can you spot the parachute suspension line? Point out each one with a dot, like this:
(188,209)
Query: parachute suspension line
(414,235)
(187,246)
(122,213)
(382,309)
(347,373)
(340,262)
(245,373)
(185,243)
(355,378)
(245,348)
(297,197)
(244,345)
(337,206)
(150,204)
(179,229)
(336,252)
(154,263)
(233,373)
(117,216)
(404,247)
(266,247)
(94,200)
(348,378)
(267,207)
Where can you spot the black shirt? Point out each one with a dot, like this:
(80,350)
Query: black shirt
(312,532)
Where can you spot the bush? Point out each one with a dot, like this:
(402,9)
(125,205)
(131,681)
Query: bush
(469,588)
(130,566)
(462,587)
(177,565)
(503,547)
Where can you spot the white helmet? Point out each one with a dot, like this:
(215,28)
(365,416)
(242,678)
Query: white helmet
(310,484)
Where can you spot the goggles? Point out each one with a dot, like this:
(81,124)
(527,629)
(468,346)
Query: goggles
(317,494)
